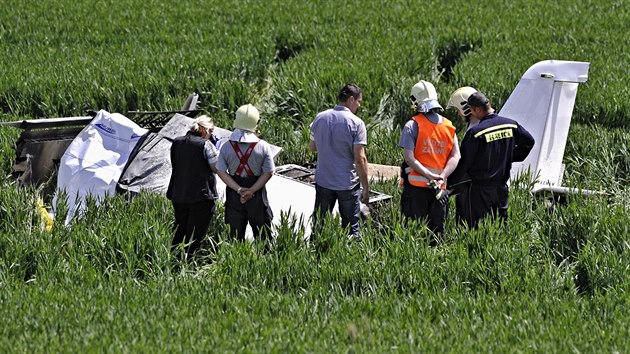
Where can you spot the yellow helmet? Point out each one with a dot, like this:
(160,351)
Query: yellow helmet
(247,117)
(458,100)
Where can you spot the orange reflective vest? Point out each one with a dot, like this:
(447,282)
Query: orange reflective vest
(433,147)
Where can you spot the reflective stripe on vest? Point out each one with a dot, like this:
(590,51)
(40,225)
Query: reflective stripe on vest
(433,147)
(416,179)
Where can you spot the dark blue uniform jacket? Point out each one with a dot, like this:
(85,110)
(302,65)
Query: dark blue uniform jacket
(488,150)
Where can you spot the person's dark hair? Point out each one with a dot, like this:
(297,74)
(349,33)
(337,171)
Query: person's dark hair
(350,90)
(478,99)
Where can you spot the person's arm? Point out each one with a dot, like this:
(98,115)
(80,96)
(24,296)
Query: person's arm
(247,193)
(267,169)
(468,151)
(453,160)
(211,154)
(229,181)
(361,163)
(411,161)
(524,143)
(311,143)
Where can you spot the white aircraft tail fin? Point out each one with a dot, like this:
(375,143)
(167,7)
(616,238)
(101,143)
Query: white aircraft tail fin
(542,102)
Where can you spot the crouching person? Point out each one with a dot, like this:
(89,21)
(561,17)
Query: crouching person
(192,187)
(245,165)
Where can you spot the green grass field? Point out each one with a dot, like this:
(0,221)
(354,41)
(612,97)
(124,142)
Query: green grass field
(556,280)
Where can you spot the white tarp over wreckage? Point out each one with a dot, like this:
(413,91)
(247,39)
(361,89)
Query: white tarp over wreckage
(94,161)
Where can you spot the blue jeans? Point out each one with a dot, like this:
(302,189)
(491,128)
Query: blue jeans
(349,206)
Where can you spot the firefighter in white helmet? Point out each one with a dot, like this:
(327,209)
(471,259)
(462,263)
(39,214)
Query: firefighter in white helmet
(431,153)
(461,181)
(489,148)
(245,165)
(458,100)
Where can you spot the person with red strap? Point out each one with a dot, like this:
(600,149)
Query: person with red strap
(430,154)
(245,165)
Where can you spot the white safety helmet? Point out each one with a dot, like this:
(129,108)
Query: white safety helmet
(424,97)
(247,117)
(458,100)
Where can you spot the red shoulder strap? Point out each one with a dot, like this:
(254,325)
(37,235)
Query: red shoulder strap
(243,158)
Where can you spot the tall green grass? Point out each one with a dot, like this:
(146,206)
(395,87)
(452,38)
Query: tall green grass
(62,58)
(110,283)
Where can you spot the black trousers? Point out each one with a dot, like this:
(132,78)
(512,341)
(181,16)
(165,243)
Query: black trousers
(462,209)
(419,203)
(480,201)
(192,221)
(255,211)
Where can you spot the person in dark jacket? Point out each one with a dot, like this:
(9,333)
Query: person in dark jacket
(192,187)
(487,152)
(459,188)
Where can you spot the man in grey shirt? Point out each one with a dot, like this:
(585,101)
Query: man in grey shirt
(339,137)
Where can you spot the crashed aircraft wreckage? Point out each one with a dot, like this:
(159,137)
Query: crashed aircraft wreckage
(542,102)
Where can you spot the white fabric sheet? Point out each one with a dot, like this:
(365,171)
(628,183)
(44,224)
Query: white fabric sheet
(95,159)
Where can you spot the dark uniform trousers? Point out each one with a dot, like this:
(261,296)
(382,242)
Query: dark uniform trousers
(479,201)
(256,211)
(419,203)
